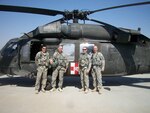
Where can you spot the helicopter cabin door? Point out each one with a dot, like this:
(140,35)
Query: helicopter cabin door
(72,51)
(69,49)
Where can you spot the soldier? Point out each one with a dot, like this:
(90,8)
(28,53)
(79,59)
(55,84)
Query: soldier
(60,64)
(98,65)
(84,68)
(42,62)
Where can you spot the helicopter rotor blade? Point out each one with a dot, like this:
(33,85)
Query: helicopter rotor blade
(66,14)
(120,6)
(100,22)
(31,10)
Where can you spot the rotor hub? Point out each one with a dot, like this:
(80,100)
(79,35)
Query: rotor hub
(76,14)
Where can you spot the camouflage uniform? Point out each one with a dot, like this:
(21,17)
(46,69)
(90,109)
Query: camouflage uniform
(98,64)
(42,61)
(84,67)
(60,65)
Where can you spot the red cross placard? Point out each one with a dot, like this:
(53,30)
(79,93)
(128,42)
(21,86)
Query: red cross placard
(74,68)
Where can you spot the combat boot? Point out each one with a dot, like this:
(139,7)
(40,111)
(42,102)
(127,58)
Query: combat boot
(43,90)
(82,89)
(86,91)
(94,90)
(53,89)
(60,89)
(36,92)
(99,90)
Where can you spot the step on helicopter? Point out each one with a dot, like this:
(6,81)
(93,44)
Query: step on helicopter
(126,51)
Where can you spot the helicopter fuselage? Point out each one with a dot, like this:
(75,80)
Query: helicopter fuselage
(18,56)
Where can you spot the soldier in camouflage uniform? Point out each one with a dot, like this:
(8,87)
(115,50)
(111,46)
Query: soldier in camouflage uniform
(60,64)
(84,68)
(98,65)
(42,62)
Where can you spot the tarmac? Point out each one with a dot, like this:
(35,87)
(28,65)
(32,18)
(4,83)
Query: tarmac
(124,94)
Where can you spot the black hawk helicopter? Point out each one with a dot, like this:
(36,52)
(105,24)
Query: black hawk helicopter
(126,51)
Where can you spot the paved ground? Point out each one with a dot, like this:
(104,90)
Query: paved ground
(128,94)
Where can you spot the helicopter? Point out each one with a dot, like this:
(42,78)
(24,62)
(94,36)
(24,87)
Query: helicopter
(126,51)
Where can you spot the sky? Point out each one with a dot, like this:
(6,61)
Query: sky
(13,25)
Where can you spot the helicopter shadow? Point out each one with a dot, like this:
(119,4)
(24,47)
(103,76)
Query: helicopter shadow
(17,80)
(110,81)
(75,81)
(126,81)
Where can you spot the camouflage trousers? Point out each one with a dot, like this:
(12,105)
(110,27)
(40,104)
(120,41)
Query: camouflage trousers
(41,76)
(58,72)
(97,77)
(84,78)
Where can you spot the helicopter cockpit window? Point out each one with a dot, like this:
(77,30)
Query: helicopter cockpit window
(69,51)
(89,47)
(9,49)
